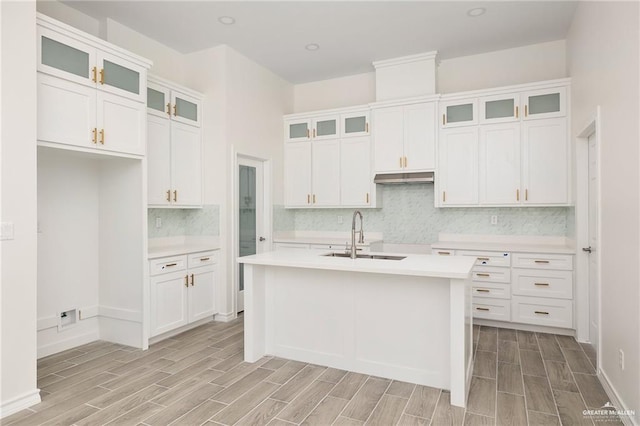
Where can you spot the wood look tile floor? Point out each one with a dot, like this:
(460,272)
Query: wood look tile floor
(199,378)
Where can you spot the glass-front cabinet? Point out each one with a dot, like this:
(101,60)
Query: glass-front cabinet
(185,108)
(297,130)
(355,124)
(545,103)
(459,113)
(158,100)
(326,127)
(499,108)
(120,77)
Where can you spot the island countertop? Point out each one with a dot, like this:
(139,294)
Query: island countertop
(412,265)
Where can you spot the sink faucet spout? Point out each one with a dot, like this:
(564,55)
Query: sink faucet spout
(353,233)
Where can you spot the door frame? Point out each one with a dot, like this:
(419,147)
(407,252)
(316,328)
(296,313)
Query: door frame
(592,127)
(267,216)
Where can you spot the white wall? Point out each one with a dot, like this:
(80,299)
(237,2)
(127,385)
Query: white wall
(70,16)
(18,179)
(335,93)
(536,62)
(603,61)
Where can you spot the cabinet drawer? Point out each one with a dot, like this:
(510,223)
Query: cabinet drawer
(489,274)
(541,283)
(492,290)
(202,259)
(543,261)
(539,311)
(489,258)
(493,309)
(165,265)
(443,252)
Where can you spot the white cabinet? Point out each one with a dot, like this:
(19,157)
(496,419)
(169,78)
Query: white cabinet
(500,164)
(501,108)
(458,113)
(297,130)
(90,93)
(354,123)
(325,172)
(174,146)
(404,138)
(182,290)
(545,103)
(297,174)
(326,127)
(458,166)
(355,172)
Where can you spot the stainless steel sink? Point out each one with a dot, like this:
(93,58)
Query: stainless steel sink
(365,256)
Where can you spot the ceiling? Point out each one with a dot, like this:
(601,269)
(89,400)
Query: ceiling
(350,34)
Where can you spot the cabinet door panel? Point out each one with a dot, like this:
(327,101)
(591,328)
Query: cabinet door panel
(546,161)
(202,293)
(186,168)
(388,139)
(169,303)
(459,113)
(297,130)
(419,137)
(121,124)
(65,57)
(458,166)
(158,160)
(355,172)
(499,108)
(121,77)
(325,169)
(326,127)
(66,112)
(500,164)
(159,100)
(355,124)
(545,103)
(186,109)
(297,174)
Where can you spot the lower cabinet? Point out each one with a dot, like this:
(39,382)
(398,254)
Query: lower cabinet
(182,290)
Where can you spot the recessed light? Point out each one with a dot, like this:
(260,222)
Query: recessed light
(227,20)
(477,11)
(312,46)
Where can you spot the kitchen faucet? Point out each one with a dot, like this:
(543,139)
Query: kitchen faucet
(353,233)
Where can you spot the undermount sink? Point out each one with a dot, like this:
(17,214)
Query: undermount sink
(365,256)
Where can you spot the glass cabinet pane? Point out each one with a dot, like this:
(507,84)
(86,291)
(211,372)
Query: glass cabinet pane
(123,78)
(326,127)
(544,103)
(65,58)
(499,109)
(298,130)
(355,124)
(458,113)
(186,109)
(155,99)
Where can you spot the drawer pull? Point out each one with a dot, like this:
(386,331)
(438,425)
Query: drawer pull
(483,258)
(186,280)
(482,309)
(542,284)
(444,253)
(483,290)
(204,259)
(482,275)
(168,265)
(541,261)
(541,312)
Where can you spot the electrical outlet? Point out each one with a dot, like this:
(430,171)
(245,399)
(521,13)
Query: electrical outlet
(158,222)
(621,358)
(494,220)
(340,220)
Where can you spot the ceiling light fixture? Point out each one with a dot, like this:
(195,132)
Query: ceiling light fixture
(475,12)
(312,46)
(227,20)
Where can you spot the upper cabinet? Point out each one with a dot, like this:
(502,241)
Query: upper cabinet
(499,108)
(90,93)
(545,103)
(355,124)
(404,138)
(459,113)
(166,102)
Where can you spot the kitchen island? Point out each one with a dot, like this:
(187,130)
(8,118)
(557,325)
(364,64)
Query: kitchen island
(406,319)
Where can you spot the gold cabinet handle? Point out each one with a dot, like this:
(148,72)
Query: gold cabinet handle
(168,265)
(405,162)
(541,312)
(307,133)
(444,253)
(366,127)
(482,275)
(193,280)
(94,137)
(444,196)
(308,199)
(314,198)
(168,195)
(483,258)
(175,110)
(517,195)
(175,195)
(102,76)
(444,121)
(204,259)
(94,73)
(400,162)
(102,136)
(169,108)
(186,280)
(482,290)
(516,111)
(541,261)
(367,198)
(526,195)
(482,309)
(314,133)
(542,284)
(526,110)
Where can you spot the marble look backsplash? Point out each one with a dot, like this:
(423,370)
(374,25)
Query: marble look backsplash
(185,222)
(408,216)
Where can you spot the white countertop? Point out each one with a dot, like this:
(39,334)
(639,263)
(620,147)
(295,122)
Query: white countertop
(179,249)
(416,265)
(506,247)
(338,241)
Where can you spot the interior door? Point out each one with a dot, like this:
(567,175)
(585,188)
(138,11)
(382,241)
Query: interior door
(250,215)
(594,284)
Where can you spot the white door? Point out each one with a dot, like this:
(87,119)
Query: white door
(355,172)
(500,164)
(186,171)
(169,304)
(158,160)
(201,293)
(594,284)
(325,172)
(458,166)
(250,218)
(297,174)
(420,137)
(121,124)
(388,139)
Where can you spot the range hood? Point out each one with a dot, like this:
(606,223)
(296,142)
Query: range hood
(399,178)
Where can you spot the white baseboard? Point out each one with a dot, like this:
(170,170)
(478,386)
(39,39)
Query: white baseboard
(19,403)
(524,327)
(63,345)
(120,314)
(174,332)
(614,399)
(225,317)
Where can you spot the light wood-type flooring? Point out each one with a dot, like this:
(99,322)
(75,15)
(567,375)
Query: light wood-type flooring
(199,377)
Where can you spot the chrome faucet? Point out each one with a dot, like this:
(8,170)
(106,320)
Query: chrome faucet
(353,234)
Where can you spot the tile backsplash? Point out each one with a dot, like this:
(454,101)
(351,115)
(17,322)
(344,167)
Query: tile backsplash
(408,216)
(185,222)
